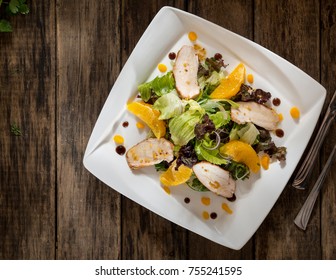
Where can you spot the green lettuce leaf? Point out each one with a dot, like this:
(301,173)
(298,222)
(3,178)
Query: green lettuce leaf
(159,86)
(211,106)
(194,106)
(182,127)
(196,185)
(234,132)
(207,85)
(247,133)
(169,105)
(231,102)
(145,91)
(220,118)
(209,155)
(239,171)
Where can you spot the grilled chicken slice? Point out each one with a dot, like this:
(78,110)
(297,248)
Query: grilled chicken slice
(255,113)
(149,152)
(185,73)
(215,178)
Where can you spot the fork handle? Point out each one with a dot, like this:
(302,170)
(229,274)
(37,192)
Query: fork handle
(303,216)
(305,169)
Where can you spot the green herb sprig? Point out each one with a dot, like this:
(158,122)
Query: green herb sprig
(11,8)
(15,129)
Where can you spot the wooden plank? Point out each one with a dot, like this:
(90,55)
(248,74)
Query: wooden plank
(328,74)
(237,17)
(145,234)
(27,162)
(88,53)
(296,25)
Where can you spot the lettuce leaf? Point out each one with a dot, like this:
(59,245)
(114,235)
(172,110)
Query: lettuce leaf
(247,133)
(239,171)
(145,91)
(220,118)
(211,106)
(196,185)
(209,155)
(182,127)
(169,105)
(208,84)
(159,86)
(194,106)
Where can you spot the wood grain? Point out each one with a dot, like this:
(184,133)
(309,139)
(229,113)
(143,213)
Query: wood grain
(298,42)
(238,18)
(27,162)
(88,52)
(145,234)
(328,74)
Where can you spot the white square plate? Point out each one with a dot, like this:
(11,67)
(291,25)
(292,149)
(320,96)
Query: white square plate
(256,196)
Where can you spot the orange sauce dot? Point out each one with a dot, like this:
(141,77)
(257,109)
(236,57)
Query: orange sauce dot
(295,112)
(192,36)
(280,117)
(265,160)
(205,200)
(226,208)
(118,139)
(162,67)
(250,78)
(205,215)
(166,189)
(140,125)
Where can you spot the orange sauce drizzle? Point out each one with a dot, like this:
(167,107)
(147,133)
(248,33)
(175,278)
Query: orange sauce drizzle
(295,112)
(226,208)
(118,139)
(205,215)
(250,78)
(206,201)
(192,36)
(162,67)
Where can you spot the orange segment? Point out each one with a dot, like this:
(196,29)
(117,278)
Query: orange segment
(230,85)
(167,189)
(173,177)
(242,152)
(150,116)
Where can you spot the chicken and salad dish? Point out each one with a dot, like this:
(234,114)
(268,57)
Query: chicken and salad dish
(208,128)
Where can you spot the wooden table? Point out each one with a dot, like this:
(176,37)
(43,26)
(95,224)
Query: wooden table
(57,68)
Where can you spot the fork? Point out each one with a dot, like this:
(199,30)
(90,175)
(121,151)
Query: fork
(305,169)
(303,216)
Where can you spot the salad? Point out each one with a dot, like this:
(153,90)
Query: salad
(208,128)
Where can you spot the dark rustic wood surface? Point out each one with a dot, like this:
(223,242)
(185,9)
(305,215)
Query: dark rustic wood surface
(57,68)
